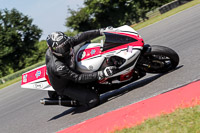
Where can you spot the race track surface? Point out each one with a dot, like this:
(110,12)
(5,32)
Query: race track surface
(20,110)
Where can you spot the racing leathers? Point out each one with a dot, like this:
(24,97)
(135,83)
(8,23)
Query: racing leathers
(65,79)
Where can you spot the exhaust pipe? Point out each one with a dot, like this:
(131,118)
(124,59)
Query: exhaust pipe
(62,102)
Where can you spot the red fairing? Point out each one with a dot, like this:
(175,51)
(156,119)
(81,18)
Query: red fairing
(33,75)
(88,53)
(91,52)
(46,76)
(126,76)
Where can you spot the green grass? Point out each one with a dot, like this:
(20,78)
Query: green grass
(10,82)
(181,121)
(165,15)
(155,18)
(16,77)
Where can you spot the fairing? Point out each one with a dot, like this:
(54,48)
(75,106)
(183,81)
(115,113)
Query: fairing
(122,42)
(114,40)
(36,79)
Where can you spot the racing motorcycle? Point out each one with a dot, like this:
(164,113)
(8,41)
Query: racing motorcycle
(122,47)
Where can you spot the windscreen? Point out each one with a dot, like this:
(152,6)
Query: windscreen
(115,40)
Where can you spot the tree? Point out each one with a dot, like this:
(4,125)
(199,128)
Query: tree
(79,20)
(103,13)
(37,55)
(18,37)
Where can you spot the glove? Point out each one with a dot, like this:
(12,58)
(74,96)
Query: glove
(102,31)
(108,71)
(109,28)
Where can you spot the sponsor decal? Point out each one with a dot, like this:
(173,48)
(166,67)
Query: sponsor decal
(33,75)
(88,53)
(130,49)
(93,51)
(37,74)
(25,78)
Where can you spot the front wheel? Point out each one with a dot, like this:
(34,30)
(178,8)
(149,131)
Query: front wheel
(161,59)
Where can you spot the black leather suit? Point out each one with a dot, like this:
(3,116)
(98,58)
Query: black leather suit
(64,78)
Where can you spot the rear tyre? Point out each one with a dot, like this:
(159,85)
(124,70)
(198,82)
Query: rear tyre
(161,59)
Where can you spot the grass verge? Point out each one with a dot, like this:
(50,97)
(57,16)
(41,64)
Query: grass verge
(10,82)
(152,20)
(181,121)
(16,77)
(165,15)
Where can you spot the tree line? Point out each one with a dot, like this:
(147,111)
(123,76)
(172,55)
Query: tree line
(102,13)
(19,37)
(19,42)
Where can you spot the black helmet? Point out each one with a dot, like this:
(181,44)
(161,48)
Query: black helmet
(56,42)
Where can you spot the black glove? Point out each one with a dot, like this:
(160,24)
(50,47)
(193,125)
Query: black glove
(108,71)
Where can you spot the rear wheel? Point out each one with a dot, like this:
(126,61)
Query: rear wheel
(161,59)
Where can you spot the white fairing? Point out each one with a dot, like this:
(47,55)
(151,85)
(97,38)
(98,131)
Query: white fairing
(90,58)
(35,79)
(40,84)
(94,63)
(91,64)
(129,56)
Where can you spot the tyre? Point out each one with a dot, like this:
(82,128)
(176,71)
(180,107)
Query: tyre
(161,59)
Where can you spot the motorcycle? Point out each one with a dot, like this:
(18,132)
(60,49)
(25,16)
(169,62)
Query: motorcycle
(122,47)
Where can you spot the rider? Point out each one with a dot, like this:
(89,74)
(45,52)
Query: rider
(60,64)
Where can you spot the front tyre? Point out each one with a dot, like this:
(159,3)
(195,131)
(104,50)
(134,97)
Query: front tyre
(161,59)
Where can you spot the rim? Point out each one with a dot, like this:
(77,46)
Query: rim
(159,63)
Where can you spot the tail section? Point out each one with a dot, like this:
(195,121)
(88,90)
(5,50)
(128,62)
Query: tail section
(36,79)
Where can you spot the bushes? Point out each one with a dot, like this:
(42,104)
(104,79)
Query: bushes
(19,73)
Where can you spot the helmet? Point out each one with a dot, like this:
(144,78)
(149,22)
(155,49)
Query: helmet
(56,42)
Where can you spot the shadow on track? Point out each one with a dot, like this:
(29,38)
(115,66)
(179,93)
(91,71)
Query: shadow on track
(69,111)
(131,86)
(108,96)
(125,89)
